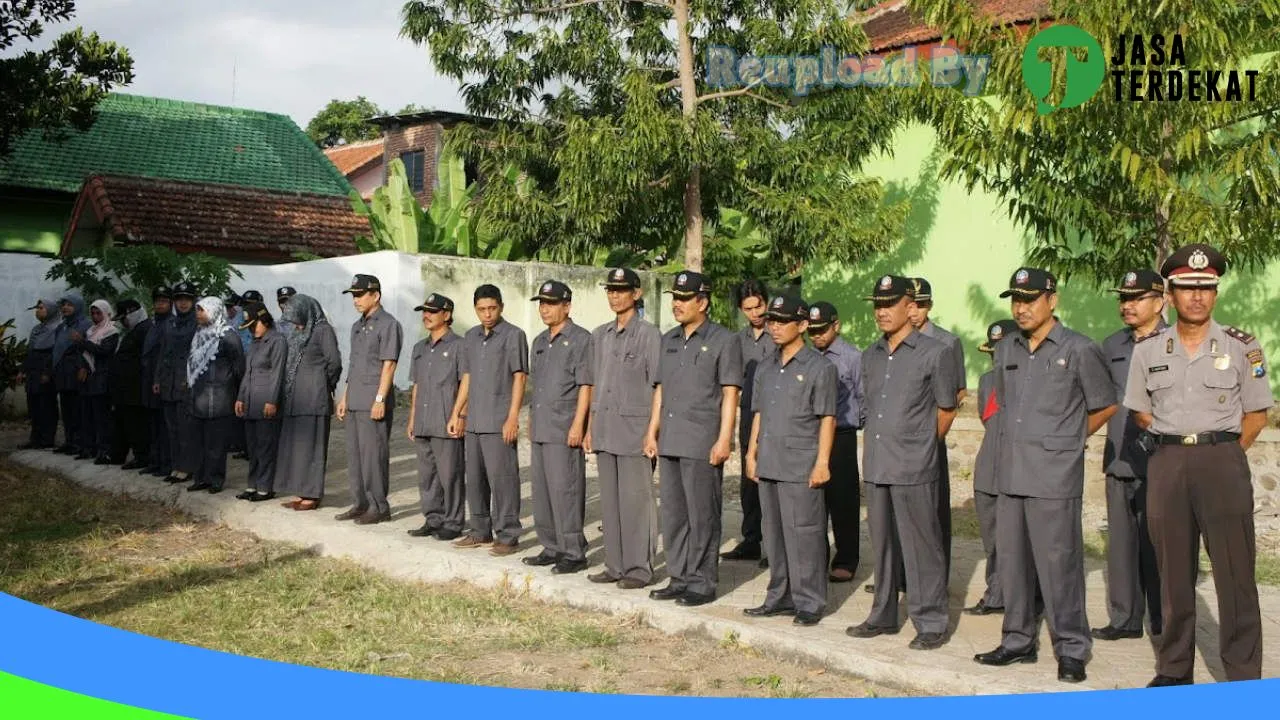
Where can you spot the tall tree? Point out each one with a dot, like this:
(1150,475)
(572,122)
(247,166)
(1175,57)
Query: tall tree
(344,121)
(607,110)
(56,89)
(1114,184)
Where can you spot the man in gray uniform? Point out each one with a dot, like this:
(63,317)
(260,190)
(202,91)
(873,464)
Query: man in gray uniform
(560,369)
(1200,389)
(911,400)
(757,346)
(1132,575)
(691,429)
(625,368)
(495,368)
(369,397)
(436,373)
(793,428)
(1054,392)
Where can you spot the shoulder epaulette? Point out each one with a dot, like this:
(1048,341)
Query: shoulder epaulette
(1155,334)
(1238,334)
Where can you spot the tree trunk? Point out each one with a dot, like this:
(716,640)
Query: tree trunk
(689,106)
(1164,239)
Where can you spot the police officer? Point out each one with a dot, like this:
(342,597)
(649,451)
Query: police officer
(690,431)
(1054,392)
(1132,575)
(160,459)
(495,370)
(793,428)
(843,493)
(1201,390)
(171,382)
(560,370)
(757,346)
(911,403)
(436,373)
(984,473)
(369,397)
(626,354)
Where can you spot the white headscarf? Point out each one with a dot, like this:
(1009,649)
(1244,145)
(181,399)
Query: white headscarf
(100,331)
(207,340)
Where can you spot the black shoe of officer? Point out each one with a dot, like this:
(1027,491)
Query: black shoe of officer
(1114,633)
(425,531)
(982,608)
(1002,656)
(1166,681)
(667,593)
(1071,670)
(743,551)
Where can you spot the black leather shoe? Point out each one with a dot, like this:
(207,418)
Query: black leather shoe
(424,531)
(744,551)
(927,641)
(602,577)
(351,513)
(627,583)
(1114,633)
(764,562)
(1002,656)
(174,479)
(766,611)
(692,599)
(196,486)
(1166,681)
(1071,670)
(542,559)
(568,567)
(246,495)
(867,630)
(444,534)
(262,497)
(667,593)
(982,608)
(806,619)
(215,489)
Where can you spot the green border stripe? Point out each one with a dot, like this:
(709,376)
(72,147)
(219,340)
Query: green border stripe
(21,698)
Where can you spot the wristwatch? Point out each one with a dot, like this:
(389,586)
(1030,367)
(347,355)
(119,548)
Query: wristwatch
(377,398)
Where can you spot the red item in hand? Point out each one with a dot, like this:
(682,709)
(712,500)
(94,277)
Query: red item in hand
(990,408)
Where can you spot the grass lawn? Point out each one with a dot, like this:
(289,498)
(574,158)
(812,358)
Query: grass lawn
(153,570)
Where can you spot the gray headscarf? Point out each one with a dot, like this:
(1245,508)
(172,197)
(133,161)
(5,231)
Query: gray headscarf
(76,321)
(302,310)
(44,334)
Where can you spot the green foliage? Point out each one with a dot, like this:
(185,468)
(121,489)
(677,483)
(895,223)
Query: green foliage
(121,271)
(13,351)
(1109,186)
(55,89)
(344,120)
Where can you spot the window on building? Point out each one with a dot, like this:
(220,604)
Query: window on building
(413,169)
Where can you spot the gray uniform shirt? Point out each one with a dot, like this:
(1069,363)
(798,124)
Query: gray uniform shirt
(319,369)
(1045,400)
(375,338)
(755,350)
(984,466)
(558,367)
(791,400)
(905,390)
(1206,393)
(625,370)
(263,380)
(436,369)
(851,399)
(1121,457)
(492,361)
(954,346)
(692,374)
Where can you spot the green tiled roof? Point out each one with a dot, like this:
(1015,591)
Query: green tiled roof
(170,139)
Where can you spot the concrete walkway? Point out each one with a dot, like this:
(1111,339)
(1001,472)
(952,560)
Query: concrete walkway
(886,659)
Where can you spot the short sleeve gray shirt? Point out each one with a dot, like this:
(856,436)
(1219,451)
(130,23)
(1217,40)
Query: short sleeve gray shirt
(625,370)
(492,360)
(558,366)
(375,338)
(791,400)
(905,389)
(693,373)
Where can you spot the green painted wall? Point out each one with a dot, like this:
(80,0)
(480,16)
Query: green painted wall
(967,247)
(33,225)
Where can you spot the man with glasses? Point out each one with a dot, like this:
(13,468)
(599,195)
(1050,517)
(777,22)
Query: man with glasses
(1132,576)
(843,494)
(757,345)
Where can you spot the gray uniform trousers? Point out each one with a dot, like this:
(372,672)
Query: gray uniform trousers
(178,423)
(944,509)
(984,504)
(628,514)
(261,440)
(207,443)
(1133,578)
(691,496)
(1040,539)
(441,482)
(794,524)
(559,480)
(905,533)
(493,475)
(369,459)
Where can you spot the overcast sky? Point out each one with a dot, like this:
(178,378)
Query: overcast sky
(289,56)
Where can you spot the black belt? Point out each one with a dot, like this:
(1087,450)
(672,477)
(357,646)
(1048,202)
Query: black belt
(1204,438)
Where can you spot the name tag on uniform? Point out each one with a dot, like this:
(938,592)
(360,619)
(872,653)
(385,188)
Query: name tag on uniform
(1157,368)
(539,351)
(1010,367)
(672,350)
(1119,359)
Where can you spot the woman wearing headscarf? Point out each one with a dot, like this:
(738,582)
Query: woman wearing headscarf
(67,364)
(159,460)
(37,375)
(128,392)
(259,400)
(311,375)
(97,347)
(171,381)
(214,368)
